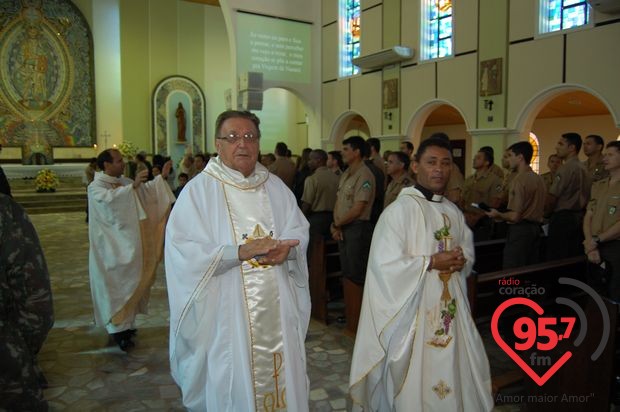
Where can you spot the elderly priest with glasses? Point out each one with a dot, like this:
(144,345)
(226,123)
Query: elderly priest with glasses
(238,282)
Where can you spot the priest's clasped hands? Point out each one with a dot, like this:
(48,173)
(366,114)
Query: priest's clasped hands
(450,261)
(267,251)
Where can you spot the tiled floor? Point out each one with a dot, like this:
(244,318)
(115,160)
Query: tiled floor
(86,372)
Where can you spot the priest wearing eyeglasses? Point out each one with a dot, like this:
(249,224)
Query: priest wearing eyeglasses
(238,282)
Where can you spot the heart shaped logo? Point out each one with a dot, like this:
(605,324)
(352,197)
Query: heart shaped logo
(540,380)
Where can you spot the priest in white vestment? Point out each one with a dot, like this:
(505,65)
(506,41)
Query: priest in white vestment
(127,219)
(238,282)
(417,347)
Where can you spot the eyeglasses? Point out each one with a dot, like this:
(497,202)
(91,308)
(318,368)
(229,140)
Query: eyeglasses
(233,137)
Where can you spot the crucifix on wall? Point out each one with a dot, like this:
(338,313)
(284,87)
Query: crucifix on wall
(105,136)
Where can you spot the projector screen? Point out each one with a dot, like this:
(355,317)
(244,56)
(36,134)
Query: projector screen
(278,48)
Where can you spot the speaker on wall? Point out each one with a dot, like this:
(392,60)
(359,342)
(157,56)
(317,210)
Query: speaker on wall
(251,81)
(250,100)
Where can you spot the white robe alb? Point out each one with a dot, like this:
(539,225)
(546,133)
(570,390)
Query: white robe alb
(212,338)
(414,351)
(125,230)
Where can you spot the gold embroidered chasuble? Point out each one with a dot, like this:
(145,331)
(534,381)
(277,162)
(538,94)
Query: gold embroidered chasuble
(417,347)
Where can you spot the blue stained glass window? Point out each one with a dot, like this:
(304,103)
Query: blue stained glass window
(563,14)
(445,28)
(573,17)
(436,29)
(433,13)
(445,47)
(350,13)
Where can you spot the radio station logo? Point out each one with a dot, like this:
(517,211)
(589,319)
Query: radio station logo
(535,336)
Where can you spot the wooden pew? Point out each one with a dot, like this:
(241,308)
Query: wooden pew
(325,275)
(489,255)
(483,288)
(582,384)
(484,296)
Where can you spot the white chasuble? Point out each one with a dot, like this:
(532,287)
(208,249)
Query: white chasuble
(237,329)
(417,347)
(126,234)
(251,218)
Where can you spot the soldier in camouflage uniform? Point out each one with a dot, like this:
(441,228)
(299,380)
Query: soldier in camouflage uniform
(26,312)
(4,183)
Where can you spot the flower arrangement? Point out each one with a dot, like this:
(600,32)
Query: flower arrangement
(46,181)
(128,149)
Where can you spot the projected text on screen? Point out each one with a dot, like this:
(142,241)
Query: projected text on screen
(280,49)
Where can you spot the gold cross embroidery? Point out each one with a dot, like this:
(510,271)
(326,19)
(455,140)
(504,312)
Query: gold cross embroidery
(442,389)
(258,233)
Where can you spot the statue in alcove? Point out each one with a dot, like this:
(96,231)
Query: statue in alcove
(180,115)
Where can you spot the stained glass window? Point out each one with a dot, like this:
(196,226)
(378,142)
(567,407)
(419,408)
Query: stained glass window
(535,163)
(436,29)
(563,14)
(350,13)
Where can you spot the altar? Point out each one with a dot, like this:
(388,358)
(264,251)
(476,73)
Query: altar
(18,171)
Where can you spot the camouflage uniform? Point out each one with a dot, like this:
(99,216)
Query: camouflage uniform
(26,312)
(4,183)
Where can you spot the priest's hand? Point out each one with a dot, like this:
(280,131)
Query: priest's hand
(450,261)
(266,250)
(165,171)
(255,248)
(141,177)
(279,254)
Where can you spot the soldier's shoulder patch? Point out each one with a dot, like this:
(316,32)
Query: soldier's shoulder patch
(366,185)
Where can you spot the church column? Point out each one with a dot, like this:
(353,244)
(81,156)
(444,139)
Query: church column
(107,44)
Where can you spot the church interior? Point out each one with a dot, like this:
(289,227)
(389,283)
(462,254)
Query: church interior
(151,76)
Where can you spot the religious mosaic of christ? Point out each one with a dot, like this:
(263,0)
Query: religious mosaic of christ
(46,77)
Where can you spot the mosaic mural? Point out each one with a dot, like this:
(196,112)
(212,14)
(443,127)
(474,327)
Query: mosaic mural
(46,78)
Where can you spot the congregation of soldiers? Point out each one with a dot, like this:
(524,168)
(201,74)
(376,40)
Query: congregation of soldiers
(569,211)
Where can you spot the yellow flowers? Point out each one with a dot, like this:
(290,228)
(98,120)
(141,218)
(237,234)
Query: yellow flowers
(46,181)
(127,149)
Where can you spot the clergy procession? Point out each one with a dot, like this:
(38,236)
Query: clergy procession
(326,205)
(238,250)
